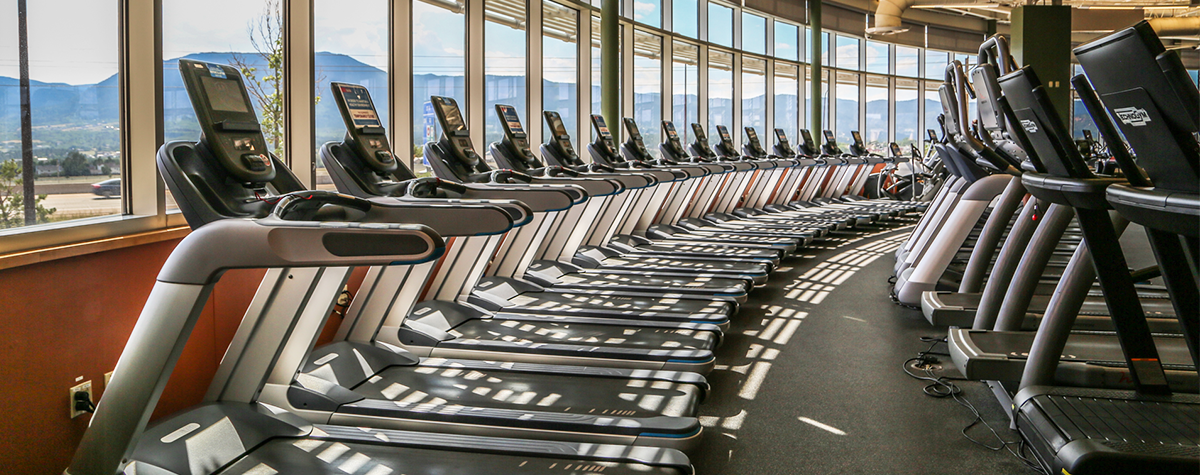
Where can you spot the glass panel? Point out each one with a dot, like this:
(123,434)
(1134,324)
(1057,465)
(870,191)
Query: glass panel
(439,68)
(906,117)
(876,133)
(935,65)
(907,63)
(824,44)
(352,46)
(74,111)
(684,19)
(933,109)
(595,67)
(720,24)
(648,12)
(647,87)
(685,88)
(720,91)
(560,68)
(847,111)
(787,41)
(1081,120)
(877,57)
(1195,75)
(965,59)
(787,103)
(504,64)
(754,33)
(754,97)
(847,53)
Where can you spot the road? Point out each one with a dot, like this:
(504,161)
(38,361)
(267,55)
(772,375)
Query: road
(82,204)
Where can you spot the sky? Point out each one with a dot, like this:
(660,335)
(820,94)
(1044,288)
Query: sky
(71,41)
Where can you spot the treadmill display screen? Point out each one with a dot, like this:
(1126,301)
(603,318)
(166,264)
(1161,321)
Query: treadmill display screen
(807,136)
(670,128)
(857,138)
(557,127)
(699,131)
(751,134)
(512,121)
(634,133)
(932,135)
(895,149)
(359,105)
(829,137)
(781,136)
(224,94)
(604,133)
(454,119)
(724,133)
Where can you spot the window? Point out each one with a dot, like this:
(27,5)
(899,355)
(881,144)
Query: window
(877,57)
(504,63)
(824,44)
(754,96)
(352,47)
(648,12)
(595,66)
(754,33)
(847,107)
(720,24)
(685,88)
(933,109)
(647,86)
(75,154)
(787,41)
(238,39)
(935,65)
(438,66)
(965,59)
(787,101)
(560,68)
(908,61)
(847,53)
(907,129)
(720,90)
(875,134)
(684,17)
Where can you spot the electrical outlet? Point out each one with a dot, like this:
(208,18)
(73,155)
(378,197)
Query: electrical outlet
(107,378)
(84,387)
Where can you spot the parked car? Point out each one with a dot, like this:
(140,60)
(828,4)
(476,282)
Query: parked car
(107,188)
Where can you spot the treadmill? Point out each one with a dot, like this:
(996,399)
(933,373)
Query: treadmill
(513,152)
(300,233)
(452,158)
(421,308)
(1149,429)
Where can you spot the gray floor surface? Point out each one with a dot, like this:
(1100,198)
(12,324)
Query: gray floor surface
(809,377)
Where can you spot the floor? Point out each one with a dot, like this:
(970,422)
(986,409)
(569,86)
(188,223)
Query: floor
(809,378)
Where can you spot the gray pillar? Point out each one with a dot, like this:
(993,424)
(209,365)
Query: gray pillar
(1041,38)
(610,64)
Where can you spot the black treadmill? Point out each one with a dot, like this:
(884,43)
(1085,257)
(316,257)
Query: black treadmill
(1149,429)
(453,158)
(300,232)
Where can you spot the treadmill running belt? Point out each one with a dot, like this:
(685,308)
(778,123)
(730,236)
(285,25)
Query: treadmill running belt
(682,265)
(315,456)
(529,332)
(714,285)
(557,393)
(551,300)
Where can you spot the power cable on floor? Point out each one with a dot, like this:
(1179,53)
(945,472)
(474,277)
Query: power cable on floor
(944,387)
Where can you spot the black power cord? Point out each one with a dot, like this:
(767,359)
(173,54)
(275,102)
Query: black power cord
(944,387)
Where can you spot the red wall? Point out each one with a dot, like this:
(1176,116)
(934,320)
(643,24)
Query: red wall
(71,317)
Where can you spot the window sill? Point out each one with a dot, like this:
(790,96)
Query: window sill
(23,246)
(46,254)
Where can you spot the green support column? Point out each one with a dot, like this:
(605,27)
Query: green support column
(610,65)
(814,62)
(1041,38)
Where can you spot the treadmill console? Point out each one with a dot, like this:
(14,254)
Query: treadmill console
(456,140)
(859,147)
(364,132)
(635,142)
(895,148)
(560,141)
(783,147)
(702,149)
(807,144)
(516,142)
(756,148)
(228,126)
(725,142)
(830,146)
(671,139)
(604,144)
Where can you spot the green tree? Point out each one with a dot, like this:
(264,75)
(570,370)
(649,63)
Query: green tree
(12,200)
(75,164)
